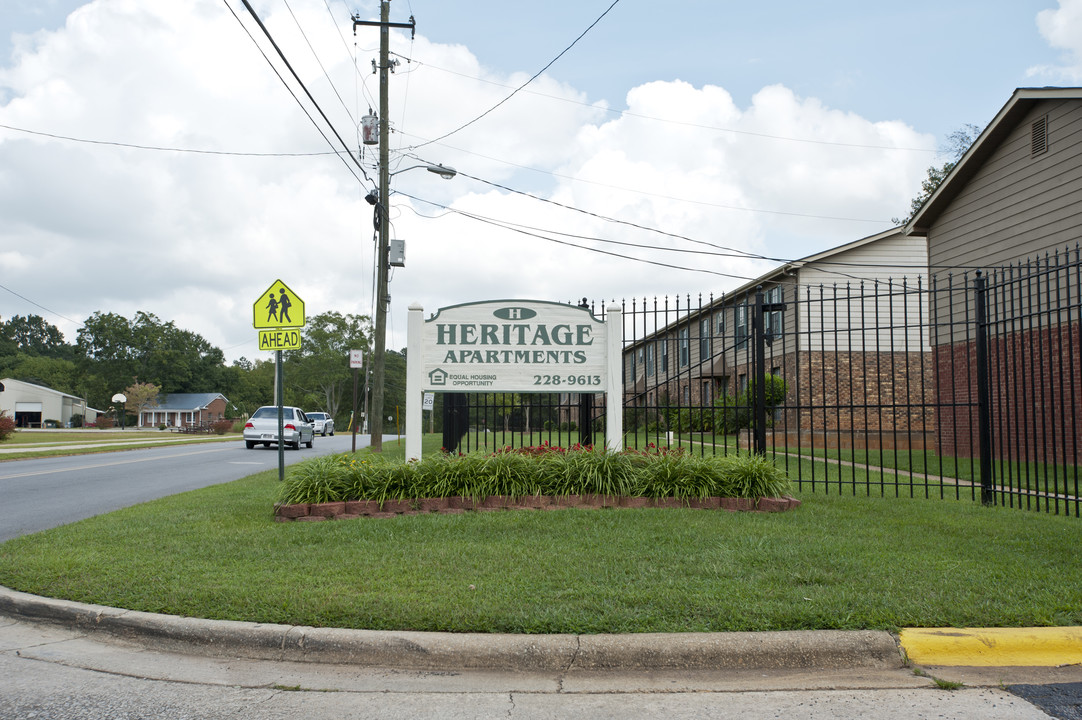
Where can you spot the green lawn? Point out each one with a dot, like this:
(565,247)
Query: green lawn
(32,438)
(839,561)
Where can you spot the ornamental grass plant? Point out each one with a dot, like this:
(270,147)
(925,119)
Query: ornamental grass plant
(525,472)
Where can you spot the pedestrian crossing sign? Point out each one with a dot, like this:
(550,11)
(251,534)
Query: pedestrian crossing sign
(278,307)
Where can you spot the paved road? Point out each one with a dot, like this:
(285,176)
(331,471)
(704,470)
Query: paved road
(47,492)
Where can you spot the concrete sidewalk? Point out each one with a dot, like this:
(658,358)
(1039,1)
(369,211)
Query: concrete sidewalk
(107,659)
(171,439)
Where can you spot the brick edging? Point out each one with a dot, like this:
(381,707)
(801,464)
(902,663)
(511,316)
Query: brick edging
(315,512)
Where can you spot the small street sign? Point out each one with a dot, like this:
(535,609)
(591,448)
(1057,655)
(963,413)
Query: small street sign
(356,359)
(429,401)
(287,339)
(278,307)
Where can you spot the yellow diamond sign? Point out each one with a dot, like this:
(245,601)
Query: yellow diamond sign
(278,307)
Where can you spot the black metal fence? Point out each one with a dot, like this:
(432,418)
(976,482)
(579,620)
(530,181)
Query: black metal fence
(964,386)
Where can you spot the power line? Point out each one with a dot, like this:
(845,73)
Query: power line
(670,197)
(518,229)
(523,85)
(296,77)
(160,148)
(319,62)
(39,305)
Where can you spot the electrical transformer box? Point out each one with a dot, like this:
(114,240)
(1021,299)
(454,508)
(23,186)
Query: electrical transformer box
(396,253)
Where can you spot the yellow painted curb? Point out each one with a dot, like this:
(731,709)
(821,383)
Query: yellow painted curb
(994,647)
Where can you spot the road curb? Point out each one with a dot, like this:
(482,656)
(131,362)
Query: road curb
(993,647)
(792,650)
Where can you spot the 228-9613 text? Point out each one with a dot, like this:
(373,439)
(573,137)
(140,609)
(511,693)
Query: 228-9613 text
(570,380)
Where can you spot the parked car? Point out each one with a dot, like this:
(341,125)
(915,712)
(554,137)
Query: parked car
(262,427)
(322,423)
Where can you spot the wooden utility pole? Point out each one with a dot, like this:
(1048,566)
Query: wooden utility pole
(375,415)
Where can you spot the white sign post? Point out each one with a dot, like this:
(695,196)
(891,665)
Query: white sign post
(518,346)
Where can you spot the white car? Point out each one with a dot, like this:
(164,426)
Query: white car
(262,427)
(322,423)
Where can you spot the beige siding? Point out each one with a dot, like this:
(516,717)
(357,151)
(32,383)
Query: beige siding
(868,298)
(1018,207)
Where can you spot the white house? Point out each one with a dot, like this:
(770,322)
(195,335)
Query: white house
(33,405)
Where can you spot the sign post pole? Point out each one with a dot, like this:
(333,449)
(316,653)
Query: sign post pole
(279,318)
(414,367)
(356,362)
(279,384)
(614,388)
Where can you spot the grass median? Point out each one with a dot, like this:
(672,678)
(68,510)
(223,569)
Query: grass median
(844,562)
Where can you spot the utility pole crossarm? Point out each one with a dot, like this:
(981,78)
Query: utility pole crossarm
(411,25)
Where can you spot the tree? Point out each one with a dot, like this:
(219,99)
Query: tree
(145,349)
(505,405)
(958,142)
(51,372)
(104,355)
(318,375)
(140,397)
(32,335)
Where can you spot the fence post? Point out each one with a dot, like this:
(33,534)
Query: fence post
(586,419)
(984,413)
(758,371)
(455,420)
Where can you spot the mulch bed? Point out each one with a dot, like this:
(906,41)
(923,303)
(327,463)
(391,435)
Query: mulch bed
(317,512)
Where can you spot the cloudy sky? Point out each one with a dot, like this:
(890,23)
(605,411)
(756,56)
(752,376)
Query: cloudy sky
(151,158)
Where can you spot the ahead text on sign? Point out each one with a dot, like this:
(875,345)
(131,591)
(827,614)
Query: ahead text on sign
(279,340)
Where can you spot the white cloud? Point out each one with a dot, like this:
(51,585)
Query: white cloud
(1062,29)
(195,238)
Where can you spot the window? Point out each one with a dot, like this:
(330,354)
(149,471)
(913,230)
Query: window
(741,324)
(719,323)
(705,351)
(663,368)
(707,396)
(685,346)
(773,323)
(742,383)
(651,359)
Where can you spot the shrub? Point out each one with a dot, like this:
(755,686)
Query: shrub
(7,426)
(545,470)
(221,427)
(104,422)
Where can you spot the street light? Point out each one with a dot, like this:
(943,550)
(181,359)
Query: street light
(444,172)
(378,199)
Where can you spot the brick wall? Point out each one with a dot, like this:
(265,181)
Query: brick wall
(1036,395)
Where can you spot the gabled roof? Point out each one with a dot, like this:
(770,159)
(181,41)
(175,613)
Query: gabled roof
(1021,102)
(771,278)
(186,401)
(34,387)
(793,265)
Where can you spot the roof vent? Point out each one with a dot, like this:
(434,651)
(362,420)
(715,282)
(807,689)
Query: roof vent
(1039,140)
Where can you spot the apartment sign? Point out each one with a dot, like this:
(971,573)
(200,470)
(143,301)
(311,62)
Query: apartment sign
(514,346)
